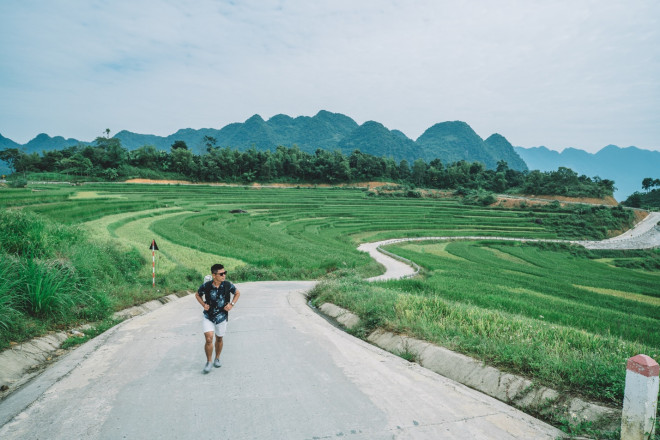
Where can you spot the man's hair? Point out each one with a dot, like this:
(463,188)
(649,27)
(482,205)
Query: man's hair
(216,267)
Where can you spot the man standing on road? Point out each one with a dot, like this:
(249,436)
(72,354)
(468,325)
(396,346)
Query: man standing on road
(215,297)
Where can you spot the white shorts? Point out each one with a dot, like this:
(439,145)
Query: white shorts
(220,329)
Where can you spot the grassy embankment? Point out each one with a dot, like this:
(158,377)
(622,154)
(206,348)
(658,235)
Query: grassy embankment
(517,306)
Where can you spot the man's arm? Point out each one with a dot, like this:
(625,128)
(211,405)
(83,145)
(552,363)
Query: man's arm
(231,305)
(201,301)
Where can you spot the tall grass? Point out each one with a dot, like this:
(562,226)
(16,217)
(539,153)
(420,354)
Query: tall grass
(9,312)
(48,288)
(559,356)
(53,275)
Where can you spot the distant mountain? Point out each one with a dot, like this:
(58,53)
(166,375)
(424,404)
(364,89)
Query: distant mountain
(448,141)
(7,143)
(54,143)
(454,141)
(500,148)
(626,166)
(374,139)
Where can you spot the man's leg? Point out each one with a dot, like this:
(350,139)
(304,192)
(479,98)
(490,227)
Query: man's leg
(208,349)
(220,330)
(218,347)
(208,346)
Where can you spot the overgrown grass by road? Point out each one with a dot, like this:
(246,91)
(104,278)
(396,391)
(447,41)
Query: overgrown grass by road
(54,276)
(560,316)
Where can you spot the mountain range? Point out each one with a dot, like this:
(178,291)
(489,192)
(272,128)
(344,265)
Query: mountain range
(449,141)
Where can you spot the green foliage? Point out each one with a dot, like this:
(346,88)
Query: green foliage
(595,222)
(52,274)
(18,182)
(9,312)
(23,234)
(478,197)
(90,333)
(647,260)
(180,278)
(249,272)
(108,160)
(634,200)
(648,200)
(582,429)
(48,289)
(565,182)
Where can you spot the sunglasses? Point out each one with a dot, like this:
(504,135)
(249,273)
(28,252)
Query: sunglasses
(220,273)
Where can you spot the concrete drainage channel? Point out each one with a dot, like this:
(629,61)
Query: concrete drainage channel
(24,361)
(509,388)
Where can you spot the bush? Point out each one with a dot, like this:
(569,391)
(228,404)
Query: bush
(590,222)
(478,197)
(17,183)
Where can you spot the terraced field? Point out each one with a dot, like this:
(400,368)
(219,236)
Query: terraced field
(522,306)
(290,232)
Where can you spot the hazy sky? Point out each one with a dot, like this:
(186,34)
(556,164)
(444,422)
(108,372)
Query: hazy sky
(559,73)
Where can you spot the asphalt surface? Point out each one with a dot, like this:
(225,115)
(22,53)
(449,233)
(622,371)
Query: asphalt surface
(287,373)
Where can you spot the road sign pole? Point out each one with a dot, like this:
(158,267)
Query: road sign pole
(153,267)
(154,248)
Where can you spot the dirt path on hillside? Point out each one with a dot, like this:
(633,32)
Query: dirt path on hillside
(368,185)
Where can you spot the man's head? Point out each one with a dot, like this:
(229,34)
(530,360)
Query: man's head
(218,271)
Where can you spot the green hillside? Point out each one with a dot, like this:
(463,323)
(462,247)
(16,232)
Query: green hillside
(454,141)
(448,142)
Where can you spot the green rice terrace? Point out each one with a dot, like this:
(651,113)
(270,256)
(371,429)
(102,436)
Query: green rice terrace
(565,316)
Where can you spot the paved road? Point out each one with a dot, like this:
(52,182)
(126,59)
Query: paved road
(645,235)
(287,374)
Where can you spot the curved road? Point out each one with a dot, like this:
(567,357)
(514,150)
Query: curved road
(287,374)
(645,235)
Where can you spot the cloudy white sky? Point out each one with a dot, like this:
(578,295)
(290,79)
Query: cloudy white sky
(559,73)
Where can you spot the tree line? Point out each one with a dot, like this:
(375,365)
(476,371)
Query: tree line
(106,159)
(650,199)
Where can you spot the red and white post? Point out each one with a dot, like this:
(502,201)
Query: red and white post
(640,400)
(153,267)
(154,248)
